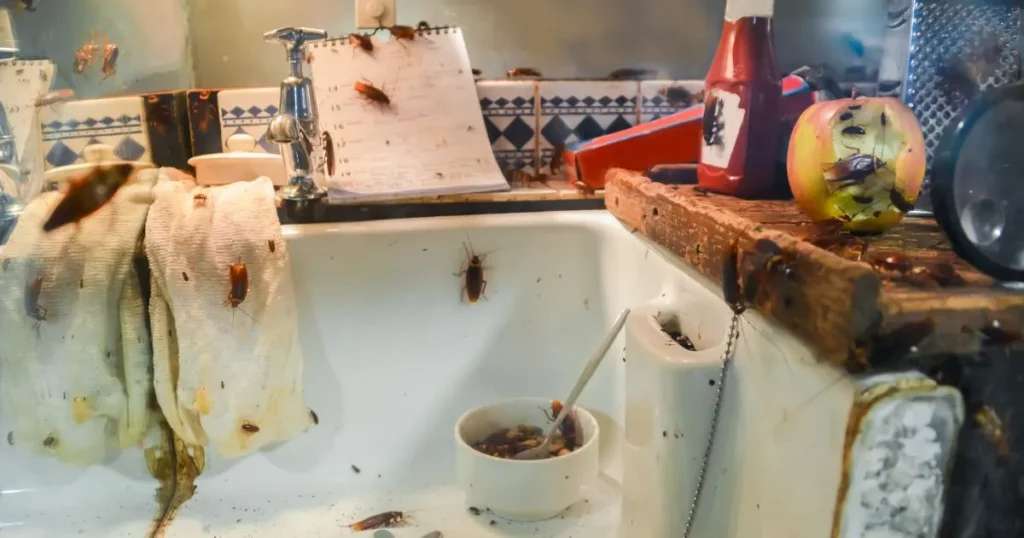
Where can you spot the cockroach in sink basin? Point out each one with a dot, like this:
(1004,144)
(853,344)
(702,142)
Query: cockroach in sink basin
(474,286)
(384,520)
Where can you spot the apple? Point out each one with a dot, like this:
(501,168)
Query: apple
(859,160)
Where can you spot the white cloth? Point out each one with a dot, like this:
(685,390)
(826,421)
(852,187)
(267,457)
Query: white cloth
(76,384)
(220,371)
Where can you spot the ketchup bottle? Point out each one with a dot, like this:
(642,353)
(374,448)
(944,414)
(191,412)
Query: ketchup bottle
(739,146)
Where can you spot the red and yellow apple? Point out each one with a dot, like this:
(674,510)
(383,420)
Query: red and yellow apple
(858,160)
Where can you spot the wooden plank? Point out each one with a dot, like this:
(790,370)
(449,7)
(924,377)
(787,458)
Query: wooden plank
(834,300)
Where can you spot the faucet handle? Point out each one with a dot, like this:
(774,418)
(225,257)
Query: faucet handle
(294,38)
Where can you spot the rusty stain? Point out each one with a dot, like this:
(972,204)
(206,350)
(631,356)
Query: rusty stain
(176,465)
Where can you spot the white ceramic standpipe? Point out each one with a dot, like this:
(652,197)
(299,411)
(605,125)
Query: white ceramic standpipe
(670,392)
(737,9)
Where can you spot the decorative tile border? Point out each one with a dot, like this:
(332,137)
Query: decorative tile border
(659,98)
(70,126)
(510,117)
(248,111)
(573,111)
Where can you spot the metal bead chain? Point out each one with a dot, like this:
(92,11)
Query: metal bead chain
(726,359)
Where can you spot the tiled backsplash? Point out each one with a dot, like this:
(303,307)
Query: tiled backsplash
(70,126)
(523,135)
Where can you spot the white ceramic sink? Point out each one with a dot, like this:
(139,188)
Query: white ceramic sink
(393,357)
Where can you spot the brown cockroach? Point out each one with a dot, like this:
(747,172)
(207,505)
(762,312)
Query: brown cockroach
(400,32)
(731,279)
(945,274)
(85,55)
(238,286)
(372,93)
(327,144)
(383,520)
(631,73)
(992,427)
(33,288)
(891,261)
(899,201)
(314,417)
(199,200)
(360,41)
(677,96)
(852,170)
(271,245)
(518,72)
(556,158)
(88,194)
(54,97)
(111,52)
(249,427)
(474,286)
(476,72)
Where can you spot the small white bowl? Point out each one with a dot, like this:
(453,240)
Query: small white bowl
(516,489)
(240,163)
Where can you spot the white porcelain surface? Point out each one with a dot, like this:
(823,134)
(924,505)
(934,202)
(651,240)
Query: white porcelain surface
(522,490)
(393,357)
(241,163)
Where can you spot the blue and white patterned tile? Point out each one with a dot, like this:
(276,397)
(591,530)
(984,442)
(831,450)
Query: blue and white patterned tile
(249,111)
(573,111)
(70,126)
(659,98)
(510,117)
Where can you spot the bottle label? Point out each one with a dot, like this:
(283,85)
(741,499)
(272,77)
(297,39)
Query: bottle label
(723,119)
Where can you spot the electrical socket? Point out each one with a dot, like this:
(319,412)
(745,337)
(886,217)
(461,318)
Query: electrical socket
(371,14)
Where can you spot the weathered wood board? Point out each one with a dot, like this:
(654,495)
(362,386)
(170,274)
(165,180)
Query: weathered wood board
(834,301)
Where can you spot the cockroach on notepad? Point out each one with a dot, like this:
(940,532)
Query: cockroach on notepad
(372,93)
(383,520)
(327,144)
(360,41)
(474,285)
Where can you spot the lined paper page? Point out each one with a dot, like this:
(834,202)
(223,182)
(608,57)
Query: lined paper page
(430,139)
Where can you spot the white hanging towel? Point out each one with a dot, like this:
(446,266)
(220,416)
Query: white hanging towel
(226,376)
(76,383)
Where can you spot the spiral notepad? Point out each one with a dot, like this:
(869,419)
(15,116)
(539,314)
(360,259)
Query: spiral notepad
(429,139)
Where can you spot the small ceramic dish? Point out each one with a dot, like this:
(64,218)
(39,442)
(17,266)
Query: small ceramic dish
(240,163)
(519,489)
(95,155)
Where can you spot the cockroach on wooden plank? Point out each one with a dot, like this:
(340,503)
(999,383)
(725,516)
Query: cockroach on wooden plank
(517,72)
(474,286)
(383,520)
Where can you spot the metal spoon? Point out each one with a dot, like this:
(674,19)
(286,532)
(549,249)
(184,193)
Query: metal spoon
(543,451)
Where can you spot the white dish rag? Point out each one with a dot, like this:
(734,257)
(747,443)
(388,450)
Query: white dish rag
(76,384)
(227,377)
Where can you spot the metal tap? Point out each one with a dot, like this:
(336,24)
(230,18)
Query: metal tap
(296,124)
(10,179)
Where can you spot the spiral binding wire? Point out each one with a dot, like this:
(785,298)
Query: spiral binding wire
(435,30)
(726,359)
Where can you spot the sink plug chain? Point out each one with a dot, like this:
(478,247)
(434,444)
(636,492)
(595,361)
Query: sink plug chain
(730,346)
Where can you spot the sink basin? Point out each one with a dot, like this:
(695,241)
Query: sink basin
(393,357)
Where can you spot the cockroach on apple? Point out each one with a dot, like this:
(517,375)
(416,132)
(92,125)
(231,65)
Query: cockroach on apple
(250,428)
(854,130)
(88,194)
(327,144)
(899,201)
(846,116)
(474,286)
(372,93)
(383,520)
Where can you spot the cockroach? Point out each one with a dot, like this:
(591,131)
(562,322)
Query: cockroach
(327,145)
(552,412)
(882,117)
(846,116)
(763,263)
(568,430)
(899,201)
(731,279)
(111,52)
(631,73)
(700,191)
(852,170)
(477,72)
(88,194)
(891,261)
(199,200)
(271,245)
(900,341)
(945,274)
(238,288)
(33,288)
(517,72)
(677,96)
(556,158)
(313,415)
(54,97)
(360,41)
(994,333)
(992,427)
(854,130)
(383,520)
(184,276)
(249,427)
(712,120)
(854,107)
(356,469)
(583,187)
(202,109)
(399,31)
(50,442)
(474,286)
(372,93)
(85,55)
(862,199)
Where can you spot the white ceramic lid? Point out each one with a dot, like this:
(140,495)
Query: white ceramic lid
(240,146)
(239,163)
(95,155)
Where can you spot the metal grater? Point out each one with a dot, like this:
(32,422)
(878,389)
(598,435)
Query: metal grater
(921,36)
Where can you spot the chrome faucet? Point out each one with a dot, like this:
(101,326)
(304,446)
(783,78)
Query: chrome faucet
(296,124)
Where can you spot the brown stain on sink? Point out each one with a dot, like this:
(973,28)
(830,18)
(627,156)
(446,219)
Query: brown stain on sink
(176,465)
